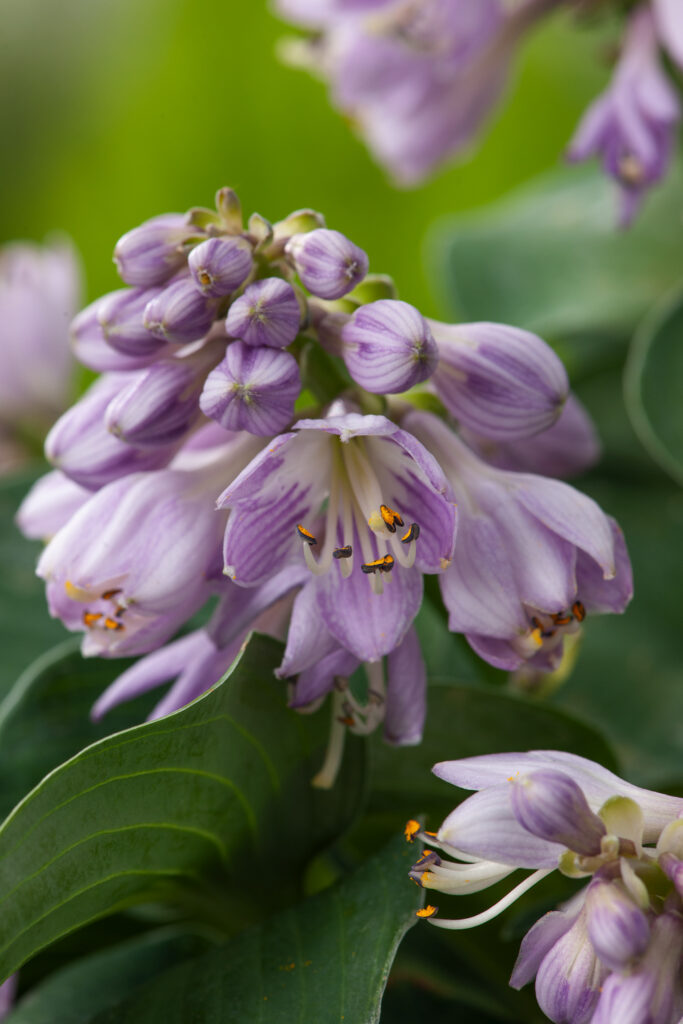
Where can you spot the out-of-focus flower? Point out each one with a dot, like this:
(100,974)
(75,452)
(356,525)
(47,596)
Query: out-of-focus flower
(614,953)
(40,290)
(631,126)
(534,556)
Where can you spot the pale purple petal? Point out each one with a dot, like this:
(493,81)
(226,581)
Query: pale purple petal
(406,699)
(388,347)
(7,993)
(267,314)
(252,389)
(93,350)
(220,265)
(618,929)
(240,607)
(485,826)
(327,262)
(283,486)
(196,679)
(570,977)
(552,806)
(670,27)
(149,254)
(49,505)
(497,652)
(598,594)
(538,941)
(317,680)
(308,641)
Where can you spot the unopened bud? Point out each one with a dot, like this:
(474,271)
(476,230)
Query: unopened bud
(327,262)
(267,314)
(220,265)
(150,253)
(388,347)
(180,313)
(551,806)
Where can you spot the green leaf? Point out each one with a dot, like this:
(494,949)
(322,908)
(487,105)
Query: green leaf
(324,961)
(184,808)
(75,994)
(463,721)
(550,257)
(45,718)
(654,385)
(27,628)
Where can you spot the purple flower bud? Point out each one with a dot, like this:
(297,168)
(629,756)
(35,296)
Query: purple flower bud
(92,349)
(161,404)
(551,806)
(618,929)
(80,445)
(650,994)
(252,389)
(150,253)
(388,347)
(120,315)
(570,977)
(267,314)
(500,381)
(328,264)
(180,313)
(220,265)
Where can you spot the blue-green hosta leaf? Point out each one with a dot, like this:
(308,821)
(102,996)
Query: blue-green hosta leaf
(324,961)
(654,385)
(550,258)
(186,808)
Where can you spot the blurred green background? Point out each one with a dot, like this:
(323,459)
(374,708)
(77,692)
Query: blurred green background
(115,110)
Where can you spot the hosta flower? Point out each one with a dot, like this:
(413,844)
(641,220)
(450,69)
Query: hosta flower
(614,953)
(631,126)
(534,556)
(39,294)
(388,517)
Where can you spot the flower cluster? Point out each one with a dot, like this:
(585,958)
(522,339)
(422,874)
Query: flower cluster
(254,437)
(614,953)
(39,294)
(419,77)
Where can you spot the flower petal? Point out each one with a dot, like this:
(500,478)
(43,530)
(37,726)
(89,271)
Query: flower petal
(406,692)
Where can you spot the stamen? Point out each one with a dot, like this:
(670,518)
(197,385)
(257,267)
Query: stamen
(108,594)
(497,908)
(305,535)
(384,564)
(390,518)
(412,534)
(578,611)
(561,619)
(345,552)
(411,830)
(113,624)
(335,748)
(90,618)
(427,911)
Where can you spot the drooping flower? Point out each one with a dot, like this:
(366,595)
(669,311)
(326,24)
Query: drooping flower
(534,556)
(39,294)
(631,126)
(614,953)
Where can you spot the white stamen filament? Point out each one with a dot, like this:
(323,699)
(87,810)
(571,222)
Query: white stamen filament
(362,478)
(327,775)
(322,565)
(404,554)
(463,923)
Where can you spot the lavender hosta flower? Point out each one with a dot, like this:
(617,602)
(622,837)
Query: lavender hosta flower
(161,403)
(632,124)
(91,347)
(120,316)
(388,518)
(179,313)
(268,314)
(416,78)
(534,557)
(154,251)
(614,953)
(199,660)
(39,293)
(81,446)
(220,265)
(252,389)
(569,447)
(499,381)
(388,347)
(327,262)
(143,554)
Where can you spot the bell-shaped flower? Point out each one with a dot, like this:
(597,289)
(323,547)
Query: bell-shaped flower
(143,554)
(617,927)
(632,124)
(570,977)
(534,556)
(499,381)
(198,661)
(267,314)
(569,447)
(388,347)
(367,509)
(252,389)
(81,446)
